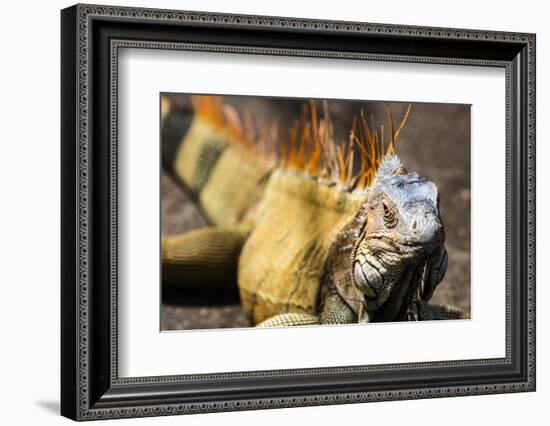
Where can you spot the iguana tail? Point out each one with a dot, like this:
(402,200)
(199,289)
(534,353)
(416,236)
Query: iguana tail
(203,148)
(204,258)
(198,150)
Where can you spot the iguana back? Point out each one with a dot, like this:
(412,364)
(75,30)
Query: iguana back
(282,262)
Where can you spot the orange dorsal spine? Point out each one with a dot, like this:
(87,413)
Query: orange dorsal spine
(309,145)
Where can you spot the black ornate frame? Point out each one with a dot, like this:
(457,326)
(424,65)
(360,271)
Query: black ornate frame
(91,37)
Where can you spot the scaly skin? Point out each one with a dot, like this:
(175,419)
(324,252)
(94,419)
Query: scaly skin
(386,263)
(304,252)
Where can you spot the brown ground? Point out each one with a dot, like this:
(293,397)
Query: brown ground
(435,143)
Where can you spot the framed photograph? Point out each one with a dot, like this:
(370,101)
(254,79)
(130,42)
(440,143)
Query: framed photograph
(263,212)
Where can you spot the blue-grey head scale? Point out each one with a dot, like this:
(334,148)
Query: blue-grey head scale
(414,198)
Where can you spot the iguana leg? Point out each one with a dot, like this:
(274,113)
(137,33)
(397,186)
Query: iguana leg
(202,258)
(427,311)
(336,311)
(289,320)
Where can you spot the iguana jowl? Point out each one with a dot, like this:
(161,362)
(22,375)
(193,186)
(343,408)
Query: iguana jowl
(307,241)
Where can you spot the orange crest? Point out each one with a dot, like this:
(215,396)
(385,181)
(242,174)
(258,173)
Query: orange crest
(309,145)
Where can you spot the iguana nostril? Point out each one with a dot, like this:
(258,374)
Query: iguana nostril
(413,226)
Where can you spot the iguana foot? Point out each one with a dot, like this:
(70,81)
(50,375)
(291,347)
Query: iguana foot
(289,320)
(336,311)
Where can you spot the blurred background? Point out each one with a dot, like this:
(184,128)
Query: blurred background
(435,143)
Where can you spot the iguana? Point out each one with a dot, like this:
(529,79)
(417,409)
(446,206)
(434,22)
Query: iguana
(306,239)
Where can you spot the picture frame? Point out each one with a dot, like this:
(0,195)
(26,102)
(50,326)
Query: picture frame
(91,37)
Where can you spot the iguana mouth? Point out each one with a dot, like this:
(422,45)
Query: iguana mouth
(371,268)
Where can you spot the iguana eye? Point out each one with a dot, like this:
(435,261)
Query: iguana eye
(390,220)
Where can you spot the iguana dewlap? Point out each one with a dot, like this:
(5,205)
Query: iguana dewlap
(304,250)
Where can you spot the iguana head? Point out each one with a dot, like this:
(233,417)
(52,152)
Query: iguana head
(400,252)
